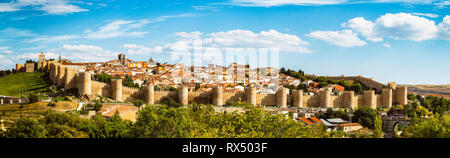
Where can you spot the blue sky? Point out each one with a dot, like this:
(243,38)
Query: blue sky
(407,41)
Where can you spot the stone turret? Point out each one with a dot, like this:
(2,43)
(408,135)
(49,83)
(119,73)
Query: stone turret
(392,85)
(183,95)
(150,97)
(250,95)
(297,96)
(53,71)
(370,99)
(401,95)
(68,78)
(19,67)
(281,97)
(325,98)
(217,96)
(386,97)
(349,99)
(60,77)
(84,84)
(116,87)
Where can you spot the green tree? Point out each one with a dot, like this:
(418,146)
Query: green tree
(377,131)
(98,106)
(33,98)
(138,103)
(434,127)
(26,128)
(366,116)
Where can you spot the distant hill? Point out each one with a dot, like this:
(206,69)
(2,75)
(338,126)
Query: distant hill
(18,84)
(437,90)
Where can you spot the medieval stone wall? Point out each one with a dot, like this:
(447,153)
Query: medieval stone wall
(70,78)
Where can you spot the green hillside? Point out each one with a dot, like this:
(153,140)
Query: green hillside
(23,83)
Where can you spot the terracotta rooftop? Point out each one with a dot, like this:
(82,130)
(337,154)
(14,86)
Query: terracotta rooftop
(305,120)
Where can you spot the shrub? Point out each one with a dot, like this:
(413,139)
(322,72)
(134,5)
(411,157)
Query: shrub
(138,103)
(51,104)
(170,102)
(98,106)
(33,98)
(83,112)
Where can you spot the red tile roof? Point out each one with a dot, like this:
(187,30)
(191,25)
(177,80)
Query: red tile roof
(350,124)
(340,88)
(316,120)
(305,120)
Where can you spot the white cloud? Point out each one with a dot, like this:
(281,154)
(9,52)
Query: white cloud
(405,26)
(344,38)
(52,39)
(363,26)
(8,7)
(82,53)
(138,49)
(209,47)
(118,28)
(14,32)
(264,39)
(399,26)
(7,51)
(48,6)
(444,28)
(387,45)
(195,34)
(269,3)
(4,48)
(61,7)
(6,63)
(431,15)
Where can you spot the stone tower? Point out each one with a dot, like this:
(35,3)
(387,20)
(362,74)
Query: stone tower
(401,95)
(217,96)
(42,56)
(121,57)
(116,85)
(370,99)
(325,98)
(297,96)
(85,84)
(150,94)
(281,97)
(60,77)
(183,95)
(386,97)
(250,95)
(349,99)
(68,77)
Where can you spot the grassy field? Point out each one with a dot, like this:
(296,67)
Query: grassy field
(19,84)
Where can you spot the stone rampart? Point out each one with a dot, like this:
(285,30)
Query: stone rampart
(283,97)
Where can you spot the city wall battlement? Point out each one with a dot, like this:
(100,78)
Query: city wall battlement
(69,77)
